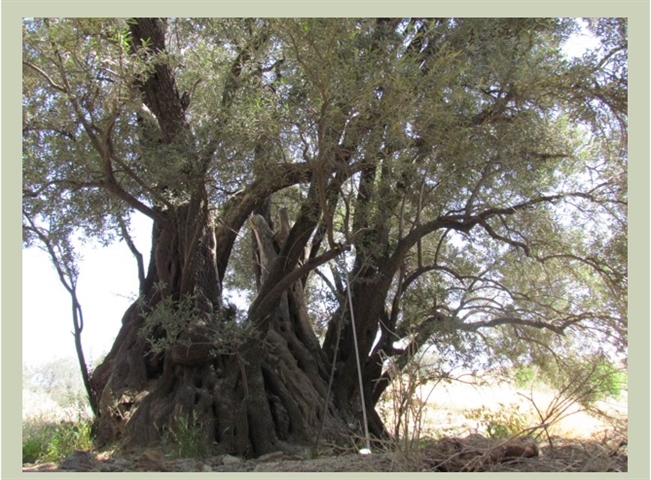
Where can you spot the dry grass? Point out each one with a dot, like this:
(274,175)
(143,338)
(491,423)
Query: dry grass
(448,427)
(454,410)
(482,426)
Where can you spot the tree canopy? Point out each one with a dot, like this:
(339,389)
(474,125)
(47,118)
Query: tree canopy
(460,182)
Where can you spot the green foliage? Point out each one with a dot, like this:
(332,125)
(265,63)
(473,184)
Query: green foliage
(32,449)
(52,442)
(166,321)
(583,379)
(169,322)
(578,383)
(592,379)
(611,380)
(56,415)
(524,377)
(504,422)
(185,438)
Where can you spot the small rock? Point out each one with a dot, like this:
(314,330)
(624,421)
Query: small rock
(206,468)
(120,465)
(294,458)
(185,465)
(79,461)
(521,447)
(151,461)
(270,457)
(230,460)
(41,467)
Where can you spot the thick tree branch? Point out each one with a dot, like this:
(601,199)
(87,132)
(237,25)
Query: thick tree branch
(504,239)
(259,310)
(136,178)
(513,320)
(238,208)
(159,89)
(464,223)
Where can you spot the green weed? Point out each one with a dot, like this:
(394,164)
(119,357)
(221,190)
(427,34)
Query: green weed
(52,442)
(505,422)
(185,438)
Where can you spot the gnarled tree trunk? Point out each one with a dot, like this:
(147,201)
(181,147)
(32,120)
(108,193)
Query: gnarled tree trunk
(267,394)
(253,392)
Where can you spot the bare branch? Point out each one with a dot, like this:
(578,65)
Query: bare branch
(134,251)
(47,78)
(510,241)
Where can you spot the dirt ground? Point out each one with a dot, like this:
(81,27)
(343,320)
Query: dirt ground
(471,453)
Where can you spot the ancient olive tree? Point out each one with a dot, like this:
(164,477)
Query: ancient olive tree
(461,181)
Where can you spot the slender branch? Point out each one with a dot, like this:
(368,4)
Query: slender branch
(326,280)
(505,320)
(510,241)
(77,313)
(615,280)
(134,176)
(609,55)
(74,184)
(114,187)
(486,174)
(464,223)
(47,78)
(134,251)
(50,249)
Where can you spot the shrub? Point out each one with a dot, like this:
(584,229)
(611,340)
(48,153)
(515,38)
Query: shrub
(506,422)
(610,380)
(56,416)
(52,442)
(524,376)
(185,438)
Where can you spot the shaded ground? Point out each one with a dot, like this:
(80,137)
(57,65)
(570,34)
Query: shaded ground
(471,453)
